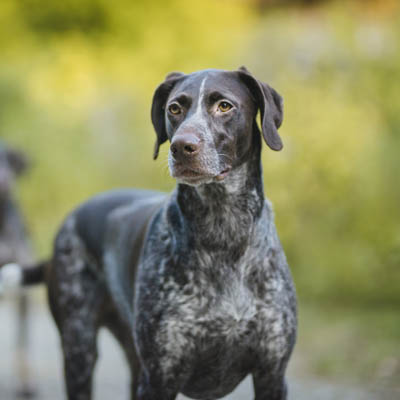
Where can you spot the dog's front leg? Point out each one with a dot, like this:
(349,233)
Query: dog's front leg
(269,387)
(153,387)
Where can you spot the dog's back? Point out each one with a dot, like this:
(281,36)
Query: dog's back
(94,216)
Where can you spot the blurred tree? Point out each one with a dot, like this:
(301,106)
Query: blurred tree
(76,80)
(53,17)
(336,190)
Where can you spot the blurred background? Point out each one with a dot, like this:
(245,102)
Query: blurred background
(76,82)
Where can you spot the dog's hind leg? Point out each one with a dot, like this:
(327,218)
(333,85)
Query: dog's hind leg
(76,296)
(80,356)
(78,331)
(123,334)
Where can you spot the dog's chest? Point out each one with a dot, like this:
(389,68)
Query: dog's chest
(219,320)
(218,301)
(222,308)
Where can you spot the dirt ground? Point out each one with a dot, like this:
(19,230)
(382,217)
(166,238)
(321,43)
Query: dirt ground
(111,380)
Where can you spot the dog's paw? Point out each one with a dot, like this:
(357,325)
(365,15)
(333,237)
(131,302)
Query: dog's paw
(10,277)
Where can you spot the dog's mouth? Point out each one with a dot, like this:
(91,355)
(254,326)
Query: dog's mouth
(196,176)
(191,176)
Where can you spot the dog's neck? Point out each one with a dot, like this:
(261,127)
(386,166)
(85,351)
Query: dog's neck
(221,216)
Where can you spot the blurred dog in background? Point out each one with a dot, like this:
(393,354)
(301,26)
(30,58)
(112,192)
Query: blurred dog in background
(15,248)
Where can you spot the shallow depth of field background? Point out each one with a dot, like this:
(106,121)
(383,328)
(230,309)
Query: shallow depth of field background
(76,82)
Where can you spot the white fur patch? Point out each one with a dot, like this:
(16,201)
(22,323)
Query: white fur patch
(10,277)
(201,97)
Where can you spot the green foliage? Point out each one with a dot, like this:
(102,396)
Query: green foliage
(76,80)
(335,186)
(350,344)
(89,17)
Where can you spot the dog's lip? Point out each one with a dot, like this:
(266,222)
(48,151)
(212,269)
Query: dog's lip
(190,174)
(194,175)
(222,175)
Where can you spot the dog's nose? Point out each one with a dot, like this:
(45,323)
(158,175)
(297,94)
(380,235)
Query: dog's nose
(183,146)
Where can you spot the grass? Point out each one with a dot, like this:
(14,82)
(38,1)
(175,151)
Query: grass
(349,344)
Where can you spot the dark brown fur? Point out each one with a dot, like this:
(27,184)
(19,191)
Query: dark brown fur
(194,285)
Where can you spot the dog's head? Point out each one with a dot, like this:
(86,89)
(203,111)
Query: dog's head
(209,118)
(13,163)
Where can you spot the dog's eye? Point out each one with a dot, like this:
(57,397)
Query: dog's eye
(224,106)
(174,109)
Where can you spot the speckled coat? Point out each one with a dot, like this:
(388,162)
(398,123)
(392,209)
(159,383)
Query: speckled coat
(194,285)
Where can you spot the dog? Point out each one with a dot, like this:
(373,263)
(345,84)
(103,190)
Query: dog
(194,285)
(15,247)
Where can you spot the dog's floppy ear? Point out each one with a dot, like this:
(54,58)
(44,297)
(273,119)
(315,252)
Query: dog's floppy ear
(158,107)
(270,104)
(17,160)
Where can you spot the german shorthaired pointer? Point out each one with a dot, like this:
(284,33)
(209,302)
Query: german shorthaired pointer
(15,247)
(195,285)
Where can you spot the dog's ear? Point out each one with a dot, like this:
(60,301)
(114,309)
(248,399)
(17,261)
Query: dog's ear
(270,104)
(158,107)
(17,160)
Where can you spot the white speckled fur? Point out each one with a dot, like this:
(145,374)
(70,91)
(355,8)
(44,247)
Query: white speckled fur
(195,286)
